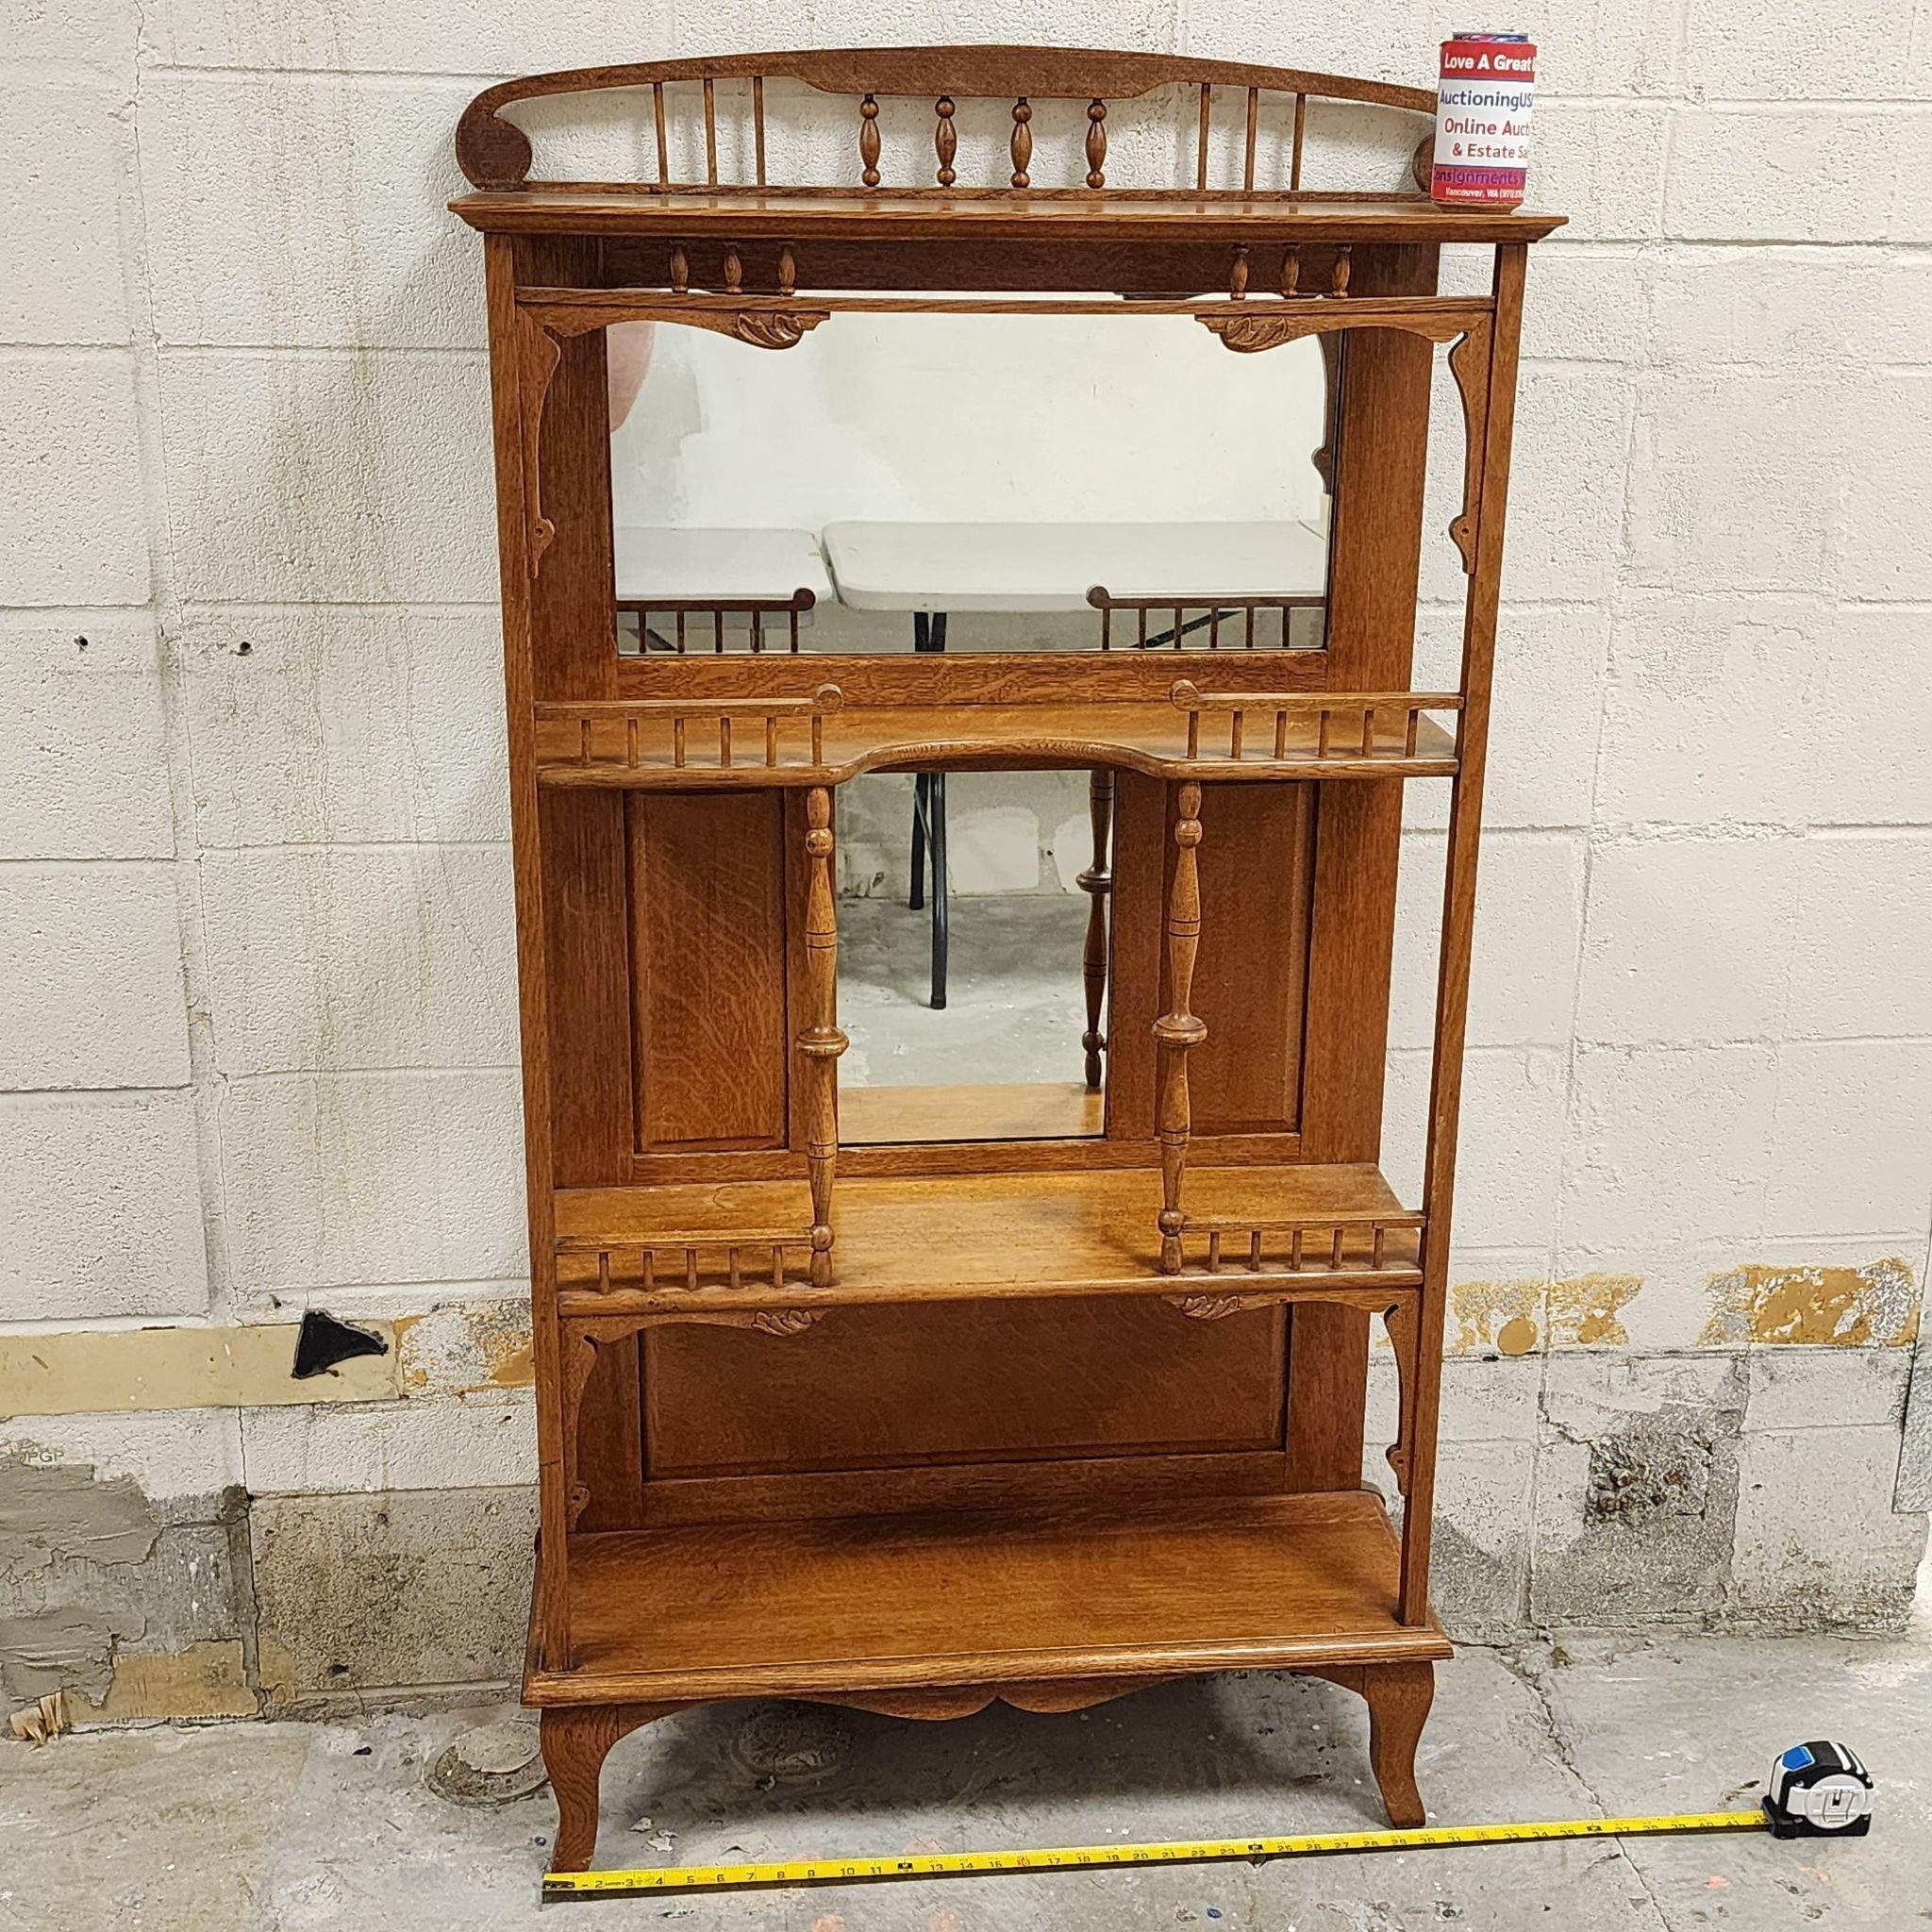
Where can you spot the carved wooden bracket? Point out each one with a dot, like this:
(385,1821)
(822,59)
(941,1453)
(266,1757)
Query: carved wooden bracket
(542,354)
(1403,1320)
(584,1336)
(1469,364)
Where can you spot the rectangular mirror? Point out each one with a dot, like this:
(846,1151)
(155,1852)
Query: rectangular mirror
(967,1006)
(949,481)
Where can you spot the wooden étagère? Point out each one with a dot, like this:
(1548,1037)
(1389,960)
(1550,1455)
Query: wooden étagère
(916,1424)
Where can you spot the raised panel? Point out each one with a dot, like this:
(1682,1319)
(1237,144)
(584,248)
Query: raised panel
(1250,976)
(707,923)
(961,1382)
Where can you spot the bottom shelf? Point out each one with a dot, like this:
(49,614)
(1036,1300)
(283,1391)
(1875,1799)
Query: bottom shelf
(774,1609)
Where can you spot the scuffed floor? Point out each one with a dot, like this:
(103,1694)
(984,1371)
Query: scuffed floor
(290,1827)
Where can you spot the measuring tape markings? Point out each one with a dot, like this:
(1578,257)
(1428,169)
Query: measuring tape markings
(567,1885)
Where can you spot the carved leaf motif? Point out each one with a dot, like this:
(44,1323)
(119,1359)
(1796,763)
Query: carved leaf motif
(1211,1307)
(787,1321)
(765,329)
(1248,334)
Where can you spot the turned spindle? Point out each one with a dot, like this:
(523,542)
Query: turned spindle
(1096,144)
(1023,142)
(945,140)
(1178,1029)
(821,1044)
(1097,883)
(869,140)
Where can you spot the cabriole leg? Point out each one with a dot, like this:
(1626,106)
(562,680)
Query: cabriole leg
(576,1738)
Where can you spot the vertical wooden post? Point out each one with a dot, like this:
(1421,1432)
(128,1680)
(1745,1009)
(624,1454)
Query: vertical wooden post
(821,1044)
(1459,919)
(1097,882)
(1178,1029)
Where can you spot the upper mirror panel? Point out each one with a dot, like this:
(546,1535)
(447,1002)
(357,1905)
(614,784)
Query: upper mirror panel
(966,482)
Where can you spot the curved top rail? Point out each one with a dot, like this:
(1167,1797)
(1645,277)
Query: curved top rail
(494,153)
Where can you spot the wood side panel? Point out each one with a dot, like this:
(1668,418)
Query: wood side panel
(585,917)
(573,585)
(1381,454)
(708,938)
(1250,982)
(610,1440)
(961,1382)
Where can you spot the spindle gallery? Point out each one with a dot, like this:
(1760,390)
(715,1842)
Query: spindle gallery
(913,1425)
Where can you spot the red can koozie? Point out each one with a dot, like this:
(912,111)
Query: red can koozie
(1484,100)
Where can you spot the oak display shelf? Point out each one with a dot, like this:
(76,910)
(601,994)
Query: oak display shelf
(958,1598)
(944,1399)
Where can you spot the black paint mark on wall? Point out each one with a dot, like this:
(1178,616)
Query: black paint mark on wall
(323,1342)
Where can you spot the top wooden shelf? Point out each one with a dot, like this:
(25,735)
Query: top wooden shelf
(801,214)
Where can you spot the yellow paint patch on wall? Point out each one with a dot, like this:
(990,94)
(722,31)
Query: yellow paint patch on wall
(1581,1311)
(1874,1306)
(1486,1311)
(465,1348)
(205,1680)
(79,1371)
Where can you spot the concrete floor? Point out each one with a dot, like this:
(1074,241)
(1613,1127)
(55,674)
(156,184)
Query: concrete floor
(294,1825)
(1016,1004)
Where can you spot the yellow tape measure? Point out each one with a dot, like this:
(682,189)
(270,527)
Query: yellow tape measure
(564,1884)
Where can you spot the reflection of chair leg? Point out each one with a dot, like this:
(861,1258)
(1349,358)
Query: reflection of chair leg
(936,797)
(929,823)
(1097,883)
(916,899)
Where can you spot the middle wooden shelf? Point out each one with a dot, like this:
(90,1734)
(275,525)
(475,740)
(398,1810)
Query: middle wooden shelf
(1289,1232)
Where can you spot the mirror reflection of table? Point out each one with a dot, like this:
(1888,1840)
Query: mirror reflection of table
(705,583)
(931,570)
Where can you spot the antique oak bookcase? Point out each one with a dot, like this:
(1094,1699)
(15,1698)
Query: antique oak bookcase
(913,1427)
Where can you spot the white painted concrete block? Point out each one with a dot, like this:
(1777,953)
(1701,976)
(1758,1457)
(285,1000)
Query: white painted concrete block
(1529,918)
(1889,495)
(353,173)
(1861,958)
(1737,480)
(1812,173)
(364,35)
(1604,170)
(1510,1146)
(70,480)
(1584,303)
(352,1178)
(1667,1145)
(174,1454)
(360,958)
(467,1443)
(90,977)
(1551,664)
(1817,1538)
(1794,1389)
(100,1207)
(64,148)
(1769,308)
(1901,323)
(342,725)
(83,754)
(327,476)
(1785,50)
(1566,498)
(95,35)
(1687,940)
(1711,714)
(1851,1143)
(1876,693)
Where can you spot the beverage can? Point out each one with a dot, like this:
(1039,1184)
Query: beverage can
(1485,95)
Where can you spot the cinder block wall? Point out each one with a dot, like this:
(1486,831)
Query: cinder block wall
(254,908)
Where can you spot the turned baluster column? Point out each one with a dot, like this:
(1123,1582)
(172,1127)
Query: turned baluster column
(1097,882)
(821,1044)
(1178,1029)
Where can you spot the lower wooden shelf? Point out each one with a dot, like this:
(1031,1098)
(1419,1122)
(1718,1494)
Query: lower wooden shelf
(996,1596)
